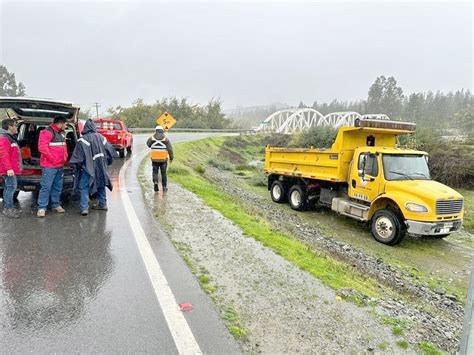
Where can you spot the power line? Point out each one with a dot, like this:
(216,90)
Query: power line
(97,105)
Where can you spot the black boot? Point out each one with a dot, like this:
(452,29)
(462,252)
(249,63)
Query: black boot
(156,187)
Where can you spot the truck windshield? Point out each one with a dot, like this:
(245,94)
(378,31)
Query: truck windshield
(405,167)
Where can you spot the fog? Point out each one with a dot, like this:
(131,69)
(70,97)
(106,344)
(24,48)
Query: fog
(243,53)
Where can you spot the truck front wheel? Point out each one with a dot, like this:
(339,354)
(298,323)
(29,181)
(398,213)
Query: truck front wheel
(387,227)
(297,198)
(277,191)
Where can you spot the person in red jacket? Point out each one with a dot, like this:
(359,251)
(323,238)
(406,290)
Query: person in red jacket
(53,149)
(10,165)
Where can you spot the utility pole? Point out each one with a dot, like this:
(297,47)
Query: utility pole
(97,105)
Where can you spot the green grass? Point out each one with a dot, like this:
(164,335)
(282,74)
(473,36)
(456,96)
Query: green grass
(428,348)
(234,324)
(402,344)
(383,346)
(468,209)
(397,330)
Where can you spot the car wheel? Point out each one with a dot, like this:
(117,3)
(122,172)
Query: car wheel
(297,198)
(15,196)
(129,149)
(122,153)
(1,193)
(278,192)
(387,227)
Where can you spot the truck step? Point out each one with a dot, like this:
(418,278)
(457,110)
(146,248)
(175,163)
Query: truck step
(351,209)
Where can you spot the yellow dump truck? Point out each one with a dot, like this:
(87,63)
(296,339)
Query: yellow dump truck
(365,176)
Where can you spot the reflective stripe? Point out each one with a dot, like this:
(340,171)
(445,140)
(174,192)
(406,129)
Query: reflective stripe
(98,155)
(84,141)
(158,145)
(57,143)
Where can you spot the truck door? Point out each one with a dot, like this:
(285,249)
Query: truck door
(364,182)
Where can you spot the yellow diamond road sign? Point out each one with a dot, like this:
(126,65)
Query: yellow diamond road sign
(166,121)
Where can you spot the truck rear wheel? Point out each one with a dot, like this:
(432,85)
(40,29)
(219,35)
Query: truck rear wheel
(277,191)
(387,227)
(297,198)
(122,153)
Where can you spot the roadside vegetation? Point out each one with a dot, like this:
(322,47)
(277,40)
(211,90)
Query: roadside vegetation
(187,114)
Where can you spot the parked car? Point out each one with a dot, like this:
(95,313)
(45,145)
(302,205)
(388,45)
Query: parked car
(117,134)
(32,116)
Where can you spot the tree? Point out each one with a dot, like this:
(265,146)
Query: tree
(8,84)
(85,115)
(392,98)
(374,100)
(465,119)
(385,97)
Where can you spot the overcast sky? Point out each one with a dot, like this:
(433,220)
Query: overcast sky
(244,53)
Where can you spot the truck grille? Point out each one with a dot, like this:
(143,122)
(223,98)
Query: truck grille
(448,206)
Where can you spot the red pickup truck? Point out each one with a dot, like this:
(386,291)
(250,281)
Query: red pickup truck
(117,134)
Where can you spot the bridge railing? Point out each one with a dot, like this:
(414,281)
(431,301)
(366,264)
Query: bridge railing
(295,120)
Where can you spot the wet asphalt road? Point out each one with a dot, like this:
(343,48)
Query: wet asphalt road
(78,284)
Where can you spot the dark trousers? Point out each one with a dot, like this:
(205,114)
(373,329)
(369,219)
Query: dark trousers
(157,167)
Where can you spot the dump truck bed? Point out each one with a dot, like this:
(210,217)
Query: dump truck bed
(320,164)
(328,164)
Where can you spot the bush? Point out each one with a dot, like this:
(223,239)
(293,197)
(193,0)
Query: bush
(200,169)
(221,165)
(452,164)
(317,137)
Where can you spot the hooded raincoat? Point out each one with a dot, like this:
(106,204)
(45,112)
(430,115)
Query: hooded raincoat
(92,154)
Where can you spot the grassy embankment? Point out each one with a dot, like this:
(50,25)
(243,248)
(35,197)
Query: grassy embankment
(187,169)
(439,263)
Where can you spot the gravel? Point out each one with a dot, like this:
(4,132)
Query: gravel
(284,309)
(442,325)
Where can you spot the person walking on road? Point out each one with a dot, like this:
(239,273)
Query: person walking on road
(10,165)
(91,156)
(53,149)
(161,151)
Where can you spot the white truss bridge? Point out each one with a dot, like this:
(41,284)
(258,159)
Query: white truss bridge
(296,120)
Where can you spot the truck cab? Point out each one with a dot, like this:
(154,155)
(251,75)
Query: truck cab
(117,134)
(395,184)
(366,176)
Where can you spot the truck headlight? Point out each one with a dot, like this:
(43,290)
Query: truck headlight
(415,207)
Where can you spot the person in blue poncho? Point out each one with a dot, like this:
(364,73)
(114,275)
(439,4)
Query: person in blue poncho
(91,156)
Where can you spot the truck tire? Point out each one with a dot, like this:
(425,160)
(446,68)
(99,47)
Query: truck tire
(122,153)
(278,192)
(15,196)
(129,149)
(387,227)
(297,198)
(1,193)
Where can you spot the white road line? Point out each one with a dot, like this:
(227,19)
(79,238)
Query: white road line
(177,324)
